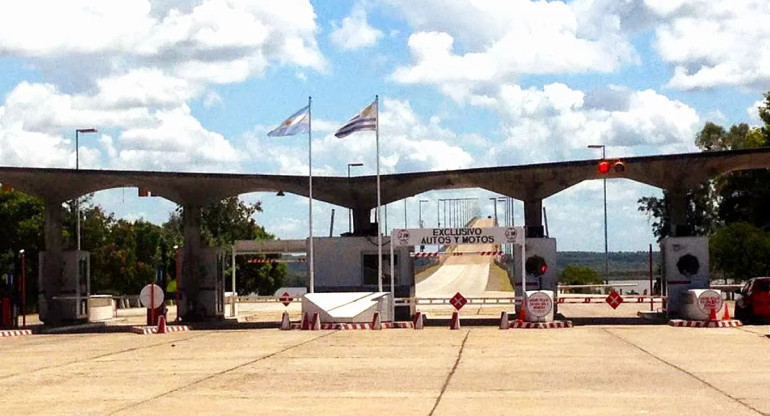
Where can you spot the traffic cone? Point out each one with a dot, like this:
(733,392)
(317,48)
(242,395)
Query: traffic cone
(162,325)
(285,323)
(455,320)
(417,320)
(316,325)
(376,322)
(726,315)
(504,320)
(522,313)
(305,322)
(713,315)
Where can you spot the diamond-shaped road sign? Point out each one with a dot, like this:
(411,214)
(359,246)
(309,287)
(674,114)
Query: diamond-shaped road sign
(458,301)
(286,299)
(614,299)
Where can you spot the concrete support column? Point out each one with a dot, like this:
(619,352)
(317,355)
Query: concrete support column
(677,208)
(190,281)
(51,266)
(533,218)
(362,224)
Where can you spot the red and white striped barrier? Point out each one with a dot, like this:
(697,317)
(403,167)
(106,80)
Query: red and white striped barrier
(15,333)
(147,330)
(459,253)
(300,260)
(603,299)
(730,323)
(540,325)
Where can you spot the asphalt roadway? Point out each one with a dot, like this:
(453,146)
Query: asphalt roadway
(589,370)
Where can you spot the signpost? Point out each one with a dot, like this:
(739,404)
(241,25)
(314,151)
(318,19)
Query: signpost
(614,299)
(453,236)
(458,301)
(286,299)
(539,304)
(151,297)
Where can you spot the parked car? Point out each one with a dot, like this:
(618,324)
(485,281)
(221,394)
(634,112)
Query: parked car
(754,303)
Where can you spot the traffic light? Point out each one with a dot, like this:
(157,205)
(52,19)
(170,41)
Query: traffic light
(536,266)
(606,166)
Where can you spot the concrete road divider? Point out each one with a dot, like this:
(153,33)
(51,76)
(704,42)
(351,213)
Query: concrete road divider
(455,324)
(504,320)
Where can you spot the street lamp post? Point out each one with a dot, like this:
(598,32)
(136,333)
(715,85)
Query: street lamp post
(350,211)
(606,251)
(420,211)
(77,167)
(405,226)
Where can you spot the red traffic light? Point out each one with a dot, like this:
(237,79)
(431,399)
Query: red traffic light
(605,166)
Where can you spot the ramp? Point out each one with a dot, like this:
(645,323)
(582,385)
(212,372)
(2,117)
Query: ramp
(348,307)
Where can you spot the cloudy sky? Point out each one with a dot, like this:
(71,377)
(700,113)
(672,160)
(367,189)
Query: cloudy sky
(196,85)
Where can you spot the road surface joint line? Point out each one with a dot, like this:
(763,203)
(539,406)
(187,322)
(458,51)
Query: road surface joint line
(96,357)
(225,371)
(672,365)
(449,376)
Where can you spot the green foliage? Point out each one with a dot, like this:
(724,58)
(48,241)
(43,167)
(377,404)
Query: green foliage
(579,275)
(125,254)
(740,251)
(741,196)
(229,220)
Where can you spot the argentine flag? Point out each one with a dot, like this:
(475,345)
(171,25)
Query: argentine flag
(297,123)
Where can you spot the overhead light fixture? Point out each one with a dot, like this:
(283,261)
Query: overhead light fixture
(280,193)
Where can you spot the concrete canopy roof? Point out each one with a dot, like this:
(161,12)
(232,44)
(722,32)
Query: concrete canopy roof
(524,182)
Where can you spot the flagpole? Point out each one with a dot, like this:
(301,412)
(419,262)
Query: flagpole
(310,189)
(379,197)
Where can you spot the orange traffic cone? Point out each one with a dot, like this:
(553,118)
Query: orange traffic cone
(376,322)
(713,315)
(316,324)
(455,320)
(504,320)
(285,323)
(522,313)
(162,325)
(726,315)
(418,320)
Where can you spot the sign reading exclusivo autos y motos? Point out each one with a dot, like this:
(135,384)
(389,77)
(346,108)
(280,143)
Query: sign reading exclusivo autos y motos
(454,236)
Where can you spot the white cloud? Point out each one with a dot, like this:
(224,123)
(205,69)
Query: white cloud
(753,113)
(715,43)
(499,41)
(355,32)
(552,123)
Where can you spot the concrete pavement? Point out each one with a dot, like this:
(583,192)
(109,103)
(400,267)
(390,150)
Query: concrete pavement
(599,370)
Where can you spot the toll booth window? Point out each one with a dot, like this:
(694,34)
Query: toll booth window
(370,269)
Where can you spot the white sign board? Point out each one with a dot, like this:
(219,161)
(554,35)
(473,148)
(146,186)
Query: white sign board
(157,296)
(539,304)
(454,236)
(710,299)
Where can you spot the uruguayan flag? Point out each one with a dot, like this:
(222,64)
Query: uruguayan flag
(297,123)
(365,120)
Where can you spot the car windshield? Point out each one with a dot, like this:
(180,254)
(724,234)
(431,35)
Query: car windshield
(762,285)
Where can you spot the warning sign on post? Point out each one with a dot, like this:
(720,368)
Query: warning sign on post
(454,236)
(539,304)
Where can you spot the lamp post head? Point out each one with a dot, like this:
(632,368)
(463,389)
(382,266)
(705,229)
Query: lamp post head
(21,251)
(355,164)
(89,130)
(596,146)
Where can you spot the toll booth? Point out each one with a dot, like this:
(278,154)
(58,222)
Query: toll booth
(540,267)
(71,302)
(349,264)
(685,267)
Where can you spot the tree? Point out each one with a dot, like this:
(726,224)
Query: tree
(579,275)
(741,196)
(740,251)
(229,220)
(22,218)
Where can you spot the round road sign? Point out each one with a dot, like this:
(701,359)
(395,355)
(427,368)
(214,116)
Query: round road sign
(539,304)
(144,296)
(708,300)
